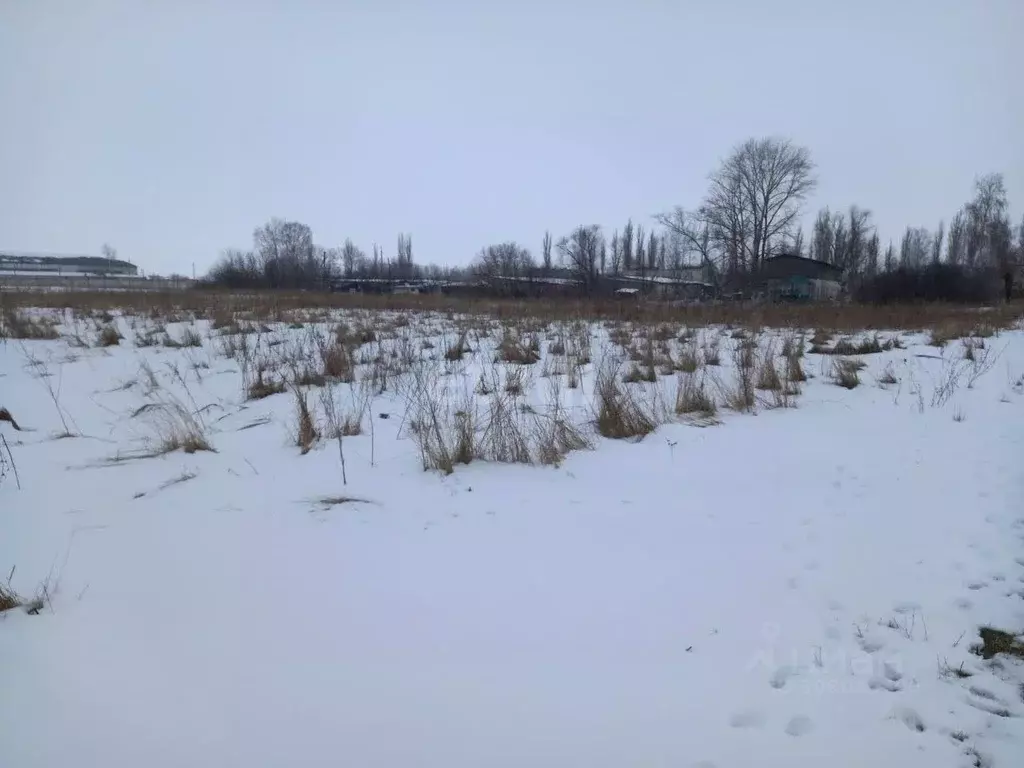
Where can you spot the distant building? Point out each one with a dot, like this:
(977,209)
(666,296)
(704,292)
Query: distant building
(72,266)
(787,277)
(691,282)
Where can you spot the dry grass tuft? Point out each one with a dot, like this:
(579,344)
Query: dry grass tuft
(513,350)
(636,374)
(692,397)
(740,394)
(306,433)
(175,428)
(619,414)
(264,387)
(22,325)
(9,599)
(455,351)
(109,337)
(844,372)
(767,374)
(888,376)
(995,641)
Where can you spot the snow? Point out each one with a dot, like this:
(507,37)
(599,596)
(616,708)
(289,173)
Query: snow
(785,587)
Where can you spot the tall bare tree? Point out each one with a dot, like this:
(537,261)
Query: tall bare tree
(889,262)
(937,243)
(627,247)
(987,222)
(581,253)
(822,236)
(956,240)
(616,253)
(546,253)
(352,259)
(690,234)
(796,245)
(654,261)
(640,253)
(915,247)
(756,196)
(505,264)
(871,254)
(403,257)
(286,254)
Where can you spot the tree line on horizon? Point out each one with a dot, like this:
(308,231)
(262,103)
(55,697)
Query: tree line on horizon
(750,212)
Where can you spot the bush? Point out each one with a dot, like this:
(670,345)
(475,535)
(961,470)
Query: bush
(932,282)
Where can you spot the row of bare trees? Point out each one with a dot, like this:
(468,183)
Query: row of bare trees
(750,212)
(284,256)
(980,236)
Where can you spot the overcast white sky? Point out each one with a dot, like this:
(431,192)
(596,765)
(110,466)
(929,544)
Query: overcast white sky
(172,128)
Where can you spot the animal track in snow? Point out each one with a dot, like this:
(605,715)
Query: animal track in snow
(870,644)
(884,683)
(906,607)
(748,718)
(976,585)
(892,672)
(781,676)
(909,718)
(799,725)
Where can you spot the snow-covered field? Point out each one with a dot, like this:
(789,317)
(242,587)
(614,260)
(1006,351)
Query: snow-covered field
(796,580)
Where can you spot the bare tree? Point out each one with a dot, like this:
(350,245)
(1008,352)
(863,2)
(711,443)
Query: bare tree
(890,258)
(627,247)
(616,254)
(505,264)
(287,256)
(1020,241)
(796,245)
(937,243)
(956,240)
(654,261)
(987,222)
(581,252)
(915,247)
(546,253)
(403,257)
(352,259)
(755,198)
(690,234)
(822,236)
(639,254)
(871,255)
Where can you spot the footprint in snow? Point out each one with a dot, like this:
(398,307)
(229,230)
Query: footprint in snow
(892,672)
(883,683)
(963,603)
(749,718)
(990,706)
(909,718)
(799,726)
(781,676)
(906,607)
(974,586)
(870,643)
